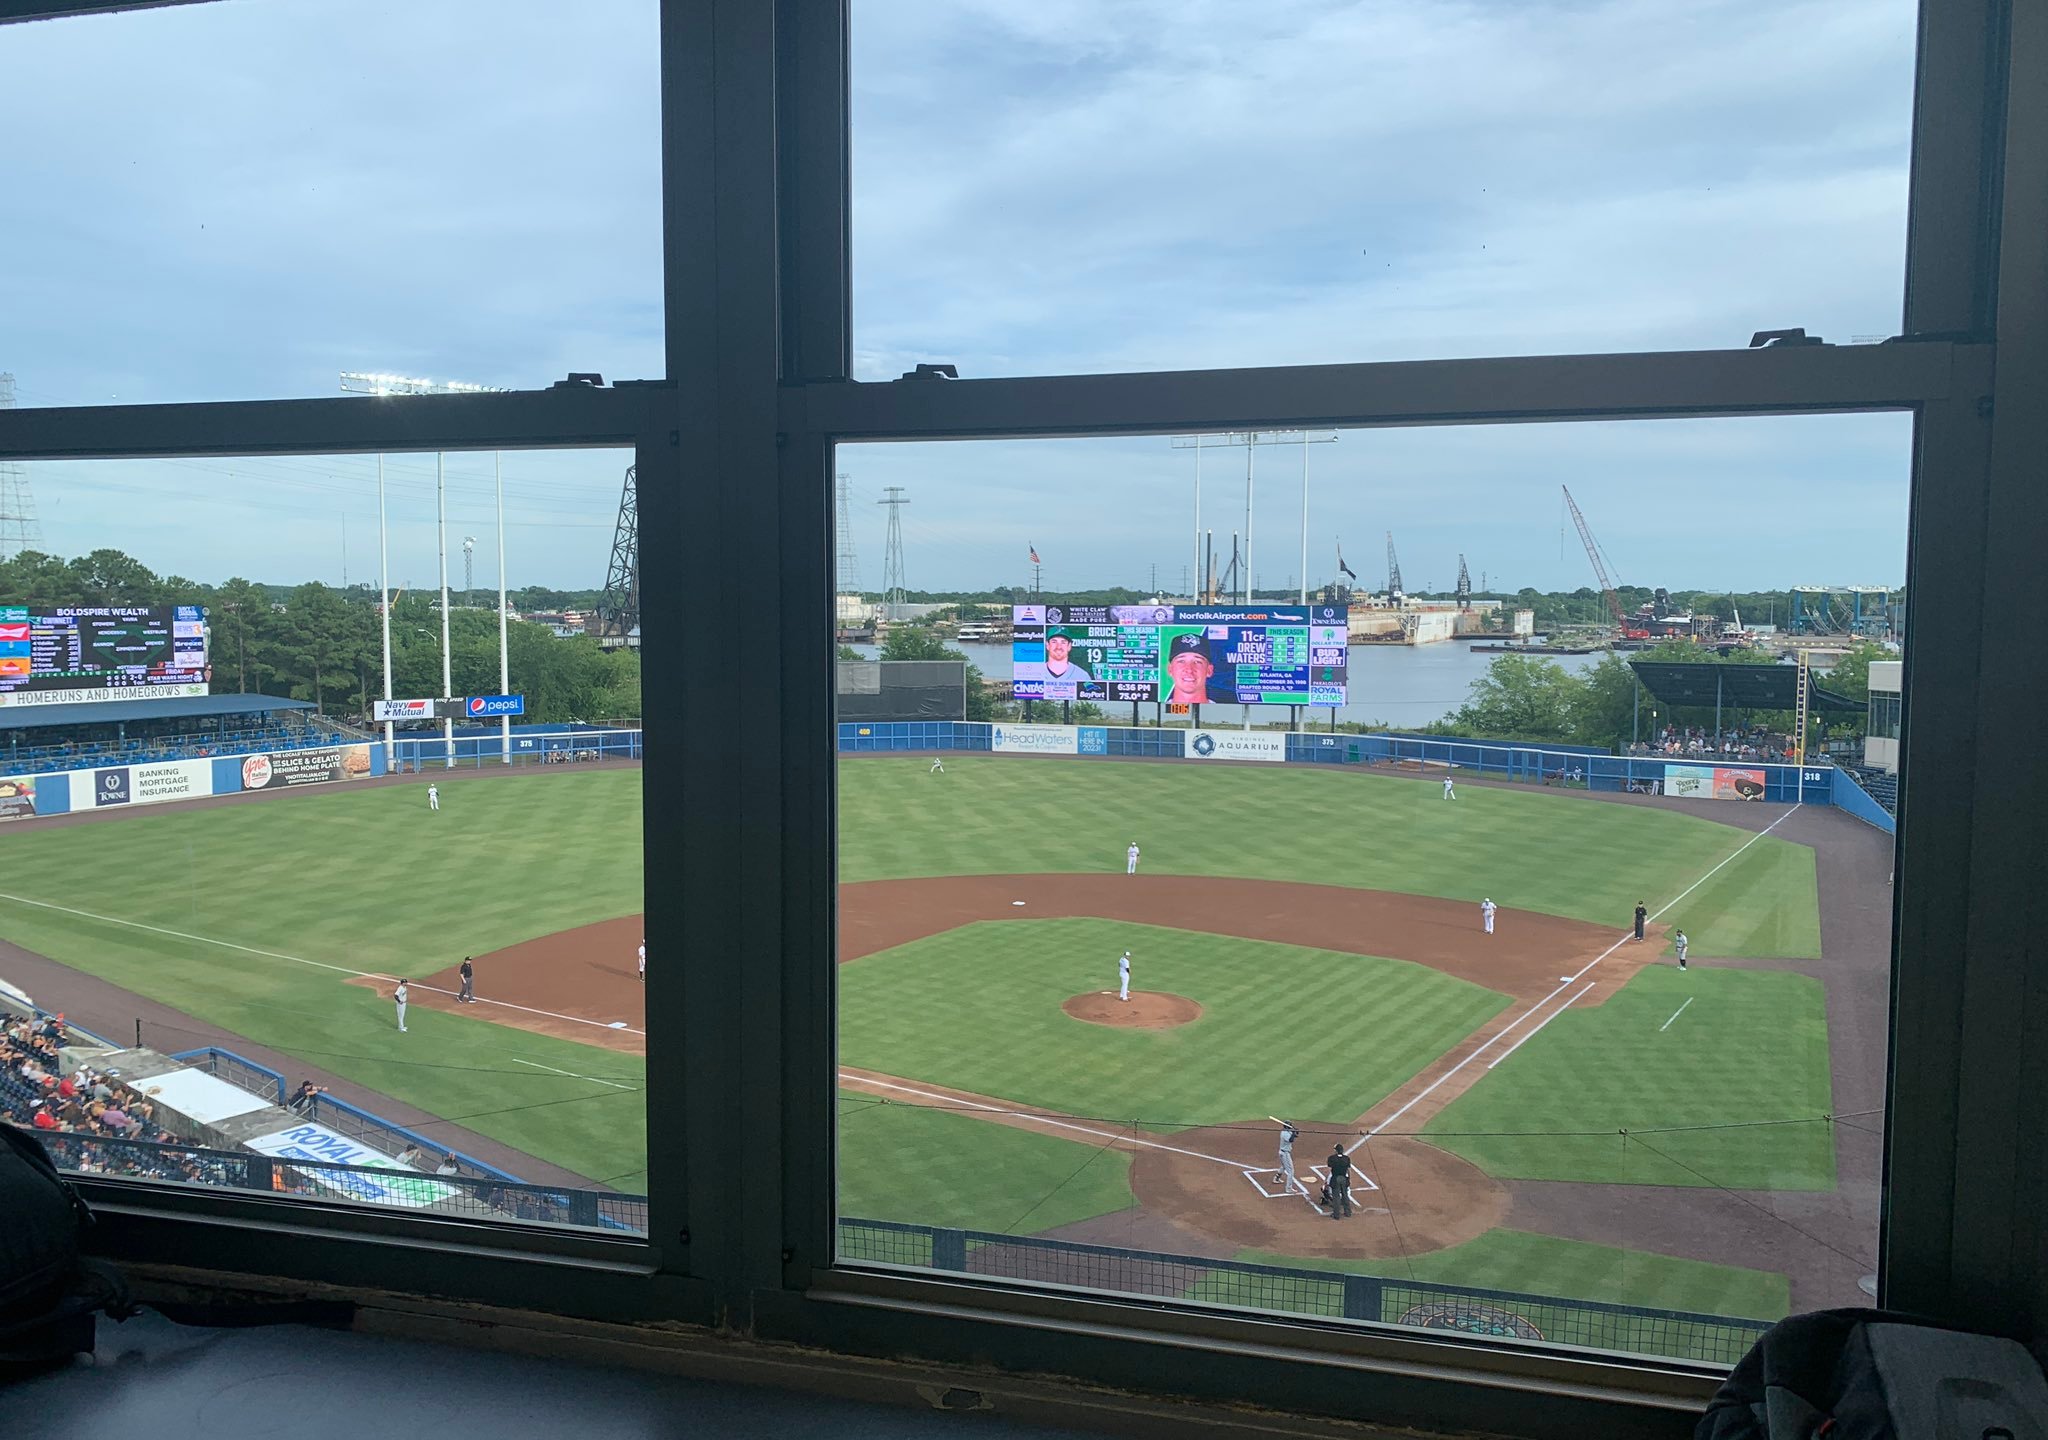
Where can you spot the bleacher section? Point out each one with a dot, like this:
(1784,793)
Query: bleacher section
(43,739)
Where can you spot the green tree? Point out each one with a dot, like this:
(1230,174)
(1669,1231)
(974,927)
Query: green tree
(322,642)
(240,617)
(1520,698)
(905,642)
(847,652)
(111,577)
(1603,709)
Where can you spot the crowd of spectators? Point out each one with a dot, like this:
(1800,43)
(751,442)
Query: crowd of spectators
(41,749)
(1693,742)
(85,1107)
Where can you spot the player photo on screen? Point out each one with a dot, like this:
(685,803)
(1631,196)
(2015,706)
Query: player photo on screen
(1192,676)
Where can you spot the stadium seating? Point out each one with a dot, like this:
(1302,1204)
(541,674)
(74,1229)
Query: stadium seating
(48,753)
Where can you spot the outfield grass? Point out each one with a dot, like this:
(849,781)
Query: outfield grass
(1527,849)
(370,880)
(1746,1056)
(1312,1034)
(936,1167)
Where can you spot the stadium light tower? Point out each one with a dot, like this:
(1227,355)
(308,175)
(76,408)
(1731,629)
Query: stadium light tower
(378,383)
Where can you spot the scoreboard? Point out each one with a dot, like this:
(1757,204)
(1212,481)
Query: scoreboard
(64,654)
(1181,654)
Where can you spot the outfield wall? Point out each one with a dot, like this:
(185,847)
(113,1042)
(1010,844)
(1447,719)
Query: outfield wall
(65,792)
(531,745)
(1573,766)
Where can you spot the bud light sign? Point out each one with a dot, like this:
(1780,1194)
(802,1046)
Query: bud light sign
(483,706)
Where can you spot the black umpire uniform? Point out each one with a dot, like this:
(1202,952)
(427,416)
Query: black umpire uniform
(1642,914)
(1340,1183)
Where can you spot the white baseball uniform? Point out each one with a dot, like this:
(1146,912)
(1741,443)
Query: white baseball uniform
(1486,908)
(938,766)
(1123,976)
(643,961)
(433,797)
(1680,940)
(1131,859)
(1287,1134)
(399,995)
(1449,793)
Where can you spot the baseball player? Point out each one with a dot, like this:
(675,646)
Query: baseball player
(1678,939)
(468,995)
(433,797)
(643,959)
(1642,914)
(1486,909)
(1289,1132)
(1131,859)
(1449,792)
(938,765)
(1123,976)
(400,995)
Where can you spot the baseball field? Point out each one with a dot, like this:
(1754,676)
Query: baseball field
(1552,1108)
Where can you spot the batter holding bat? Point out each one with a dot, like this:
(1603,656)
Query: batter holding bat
(1289,1133)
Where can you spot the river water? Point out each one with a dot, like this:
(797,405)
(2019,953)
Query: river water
(1402,686)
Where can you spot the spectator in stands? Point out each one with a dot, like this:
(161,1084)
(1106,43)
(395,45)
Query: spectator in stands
(302,1099)
(413,1157)
(447,1165)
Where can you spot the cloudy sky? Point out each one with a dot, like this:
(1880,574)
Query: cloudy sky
(239,200)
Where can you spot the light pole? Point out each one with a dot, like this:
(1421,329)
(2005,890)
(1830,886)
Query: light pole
(380,384)
(1250,440)
(504,658)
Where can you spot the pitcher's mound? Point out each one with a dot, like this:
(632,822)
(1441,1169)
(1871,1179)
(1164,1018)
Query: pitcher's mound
(1145,1010)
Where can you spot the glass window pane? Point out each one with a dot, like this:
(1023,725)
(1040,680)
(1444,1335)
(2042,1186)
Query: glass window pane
(1133,862)
(1062,188)
(241,903)
(241,201)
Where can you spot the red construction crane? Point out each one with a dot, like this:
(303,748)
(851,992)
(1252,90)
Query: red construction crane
(1628,632)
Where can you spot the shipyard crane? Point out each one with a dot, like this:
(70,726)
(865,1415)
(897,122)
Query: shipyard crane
(1393,570)
(1607,593)
(1464,585)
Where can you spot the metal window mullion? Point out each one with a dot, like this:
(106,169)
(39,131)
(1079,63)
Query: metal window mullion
(1959,97)
(1709,383)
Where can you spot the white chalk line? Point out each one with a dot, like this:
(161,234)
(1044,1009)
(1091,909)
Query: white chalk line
(1674,1015)
(1569,1001)
(299,960)
(1512,1025)
(572,1074)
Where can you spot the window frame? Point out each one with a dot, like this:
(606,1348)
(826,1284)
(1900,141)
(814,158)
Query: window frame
(736,459)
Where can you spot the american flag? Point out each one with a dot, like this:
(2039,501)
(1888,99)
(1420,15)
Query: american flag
(1034,555)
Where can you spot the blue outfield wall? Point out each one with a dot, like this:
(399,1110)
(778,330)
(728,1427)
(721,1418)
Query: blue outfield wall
(1852,797)
(1574,766)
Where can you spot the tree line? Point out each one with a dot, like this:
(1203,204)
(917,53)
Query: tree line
(323,643)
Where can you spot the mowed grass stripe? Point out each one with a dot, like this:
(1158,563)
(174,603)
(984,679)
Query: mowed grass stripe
(900,1161)
(1749,1055)
(1286,1030)
(1528,849)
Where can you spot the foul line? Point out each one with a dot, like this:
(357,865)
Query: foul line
(1036,1118)
(1505,1030)
(297,960)
(1570,1000)
(1674,1015)
(571,1074)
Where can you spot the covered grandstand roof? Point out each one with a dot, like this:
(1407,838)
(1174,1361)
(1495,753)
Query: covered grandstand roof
(1745,687)
(120,712)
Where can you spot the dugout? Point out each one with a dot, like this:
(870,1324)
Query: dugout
(902,690)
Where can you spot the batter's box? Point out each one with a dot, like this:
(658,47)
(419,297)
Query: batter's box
(1272,1185)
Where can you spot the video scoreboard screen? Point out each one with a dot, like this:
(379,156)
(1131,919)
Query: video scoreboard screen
(1181,654)
(65,654)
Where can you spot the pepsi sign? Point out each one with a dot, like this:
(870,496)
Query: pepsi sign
(484,706)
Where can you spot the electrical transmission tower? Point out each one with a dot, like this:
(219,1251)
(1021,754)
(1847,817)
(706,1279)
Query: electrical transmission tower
(619,611)
(892,554)
(849,563)
(18,528)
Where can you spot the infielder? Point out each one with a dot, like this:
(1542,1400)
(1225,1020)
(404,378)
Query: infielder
(1449,793)
(433,797)
(1486,909)
(400,995)
(1131,859)
(643,959)
(1289,1132)
(1678,939)
(1123,977)
(938,766)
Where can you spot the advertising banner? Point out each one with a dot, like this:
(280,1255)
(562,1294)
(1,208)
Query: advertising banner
(283,768)
(18,798)
(79,654)
(1233,745)
(402,710)
(1094,739)
(486,706)
(1035,740)
(141,784)
(307,1141)
(1713,782)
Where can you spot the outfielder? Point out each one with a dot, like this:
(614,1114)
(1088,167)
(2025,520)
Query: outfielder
(1123,977)
(643,959)
(1486,909)
(1131,859)
(1449,793)
(400,996)
(938,765)
(1681,942)
(433,797)
(1290,1184)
